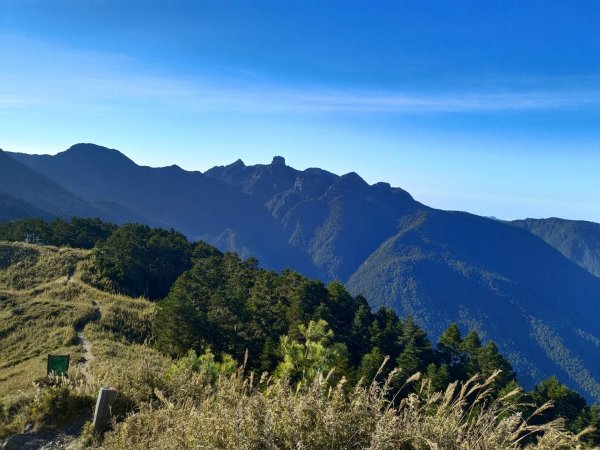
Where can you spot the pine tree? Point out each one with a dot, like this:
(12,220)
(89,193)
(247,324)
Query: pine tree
(450,350)
(489,360)
(438,376)
(314,354)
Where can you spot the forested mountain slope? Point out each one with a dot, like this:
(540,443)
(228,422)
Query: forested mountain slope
(12,208)
(337,220)
(578,240)
(497,279)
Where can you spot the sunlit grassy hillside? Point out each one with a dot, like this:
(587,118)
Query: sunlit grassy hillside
(44,302)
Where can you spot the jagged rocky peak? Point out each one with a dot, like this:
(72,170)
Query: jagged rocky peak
(383,186)
(278,161)
(238,163)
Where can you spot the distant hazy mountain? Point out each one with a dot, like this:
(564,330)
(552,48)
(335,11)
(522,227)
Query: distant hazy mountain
(34,194)
(197,205)
(487,275)
(578,240)
(34,191)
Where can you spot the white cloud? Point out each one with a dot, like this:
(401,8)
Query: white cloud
(40,75)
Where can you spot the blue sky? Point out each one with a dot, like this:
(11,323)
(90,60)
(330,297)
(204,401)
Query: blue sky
(487,106)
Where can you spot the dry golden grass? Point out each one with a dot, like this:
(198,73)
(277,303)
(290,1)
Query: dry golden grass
(25,266)
(239,413)
(37,319)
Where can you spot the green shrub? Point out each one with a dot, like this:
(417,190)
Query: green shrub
(206,363)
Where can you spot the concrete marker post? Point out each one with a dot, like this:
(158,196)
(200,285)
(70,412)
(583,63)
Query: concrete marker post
(106,398)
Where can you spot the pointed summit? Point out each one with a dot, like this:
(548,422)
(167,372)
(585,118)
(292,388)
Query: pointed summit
(352,180)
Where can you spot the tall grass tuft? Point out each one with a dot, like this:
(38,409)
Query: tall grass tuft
(56,400)
(240,412)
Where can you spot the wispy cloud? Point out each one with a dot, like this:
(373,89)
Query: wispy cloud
(322,100)
(39,75)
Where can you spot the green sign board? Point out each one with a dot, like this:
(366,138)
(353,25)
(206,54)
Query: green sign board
(58,365)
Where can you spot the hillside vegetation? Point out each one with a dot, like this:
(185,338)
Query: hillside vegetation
(496,279)
(12,208)
(240,357)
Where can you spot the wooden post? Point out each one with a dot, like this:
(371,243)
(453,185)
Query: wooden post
(106,398)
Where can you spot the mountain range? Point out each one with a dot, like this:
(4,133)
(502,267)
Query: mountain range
(532,286)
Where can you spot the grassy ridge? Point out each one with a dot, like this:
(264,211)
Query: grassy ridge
(41,310)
